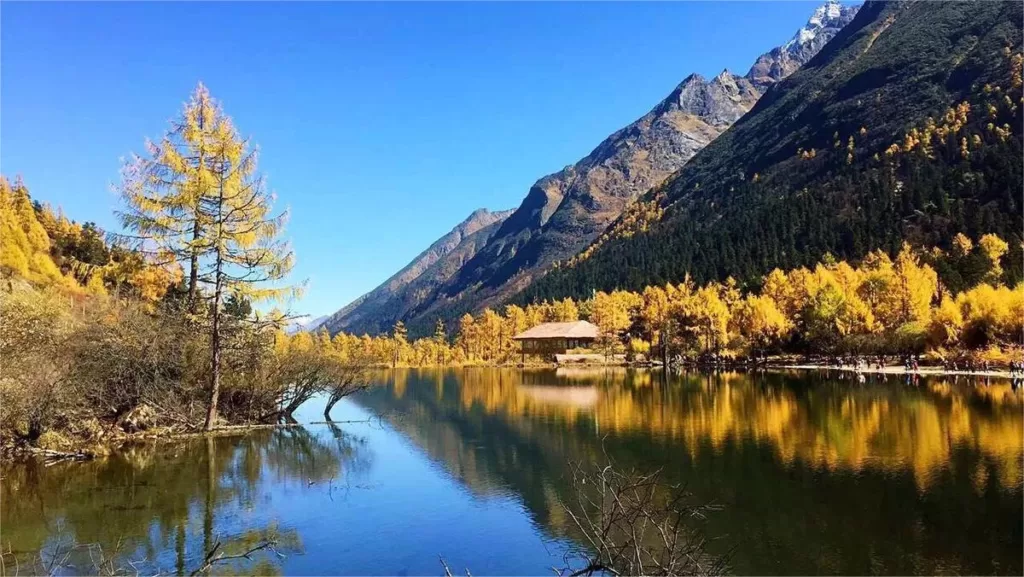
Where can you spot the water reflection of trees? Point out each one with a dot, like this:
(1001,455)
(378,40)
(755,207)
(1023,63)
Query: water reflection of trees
(826,422)
(169,503)
(874,476)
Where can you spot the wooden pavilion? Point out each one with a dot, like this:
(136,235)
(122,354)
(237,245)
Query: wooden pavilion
(551,339)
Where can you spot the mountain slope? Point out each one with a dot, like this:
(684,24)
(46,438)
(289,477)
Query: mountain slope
(840,157)
(565,211)
(378,310)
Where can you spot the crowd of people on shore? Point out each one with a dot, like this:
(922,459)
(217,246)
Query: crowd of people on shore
(857,363)
(863,367)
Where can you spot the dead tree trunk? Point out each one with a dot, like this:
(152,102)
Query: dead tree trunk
(331,401)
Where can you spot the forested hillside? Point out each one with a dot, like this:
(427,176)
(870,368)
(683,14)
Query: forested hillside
(43,247)
(883,305)
(906,127)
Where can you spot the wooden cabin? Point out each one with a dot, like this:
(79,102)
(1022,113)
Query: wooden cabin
(550,339)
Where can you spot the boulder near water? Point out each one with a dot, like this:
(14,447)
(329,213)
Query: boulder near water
(138,419)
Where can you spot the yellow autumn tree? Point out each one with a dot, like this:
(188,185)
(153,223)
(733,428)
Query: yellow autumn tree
(759,320)
(656,315)
(199,198)
(946,324)
(991,315)
(493,340)
(24,243)
(516,320)
(611,312)
(994,248)
(962,246)
(563,311)
(777,286)
(163,193)
(712,316)
(468,340)
(400,338)
(241,252)
(917,285)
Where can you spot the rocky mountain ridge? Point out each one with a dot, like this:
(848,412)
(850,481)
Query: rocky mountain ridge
(377,310)
(565,211)
(906,127)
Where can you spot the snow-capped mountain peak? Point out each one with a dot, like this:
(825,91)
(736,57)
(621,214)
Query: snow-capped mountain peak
(831,14)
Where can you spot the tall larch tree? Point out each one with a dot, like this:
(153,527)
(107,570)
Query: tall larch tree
(164,191)
(401,340)
(440,342)
(239,250)
(197,198)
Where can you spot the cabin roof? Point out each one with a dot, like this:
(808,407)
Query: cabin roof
(573,330)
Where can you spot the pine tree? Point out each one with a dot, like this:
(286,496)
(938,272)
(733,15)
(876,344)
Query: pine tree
(401,339)
(441,340)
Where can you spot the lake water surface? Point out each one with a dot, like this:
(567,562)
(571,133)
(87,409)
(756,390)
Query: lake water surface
(814,474)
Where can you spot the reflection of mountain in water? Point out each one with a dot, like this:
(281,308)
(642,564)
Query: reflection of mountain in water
(159,498)
(817,475)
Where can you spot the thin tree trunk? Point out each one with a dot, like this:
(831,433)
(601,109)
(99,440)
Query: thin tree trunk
(211,415)
(193,271)
(663,345)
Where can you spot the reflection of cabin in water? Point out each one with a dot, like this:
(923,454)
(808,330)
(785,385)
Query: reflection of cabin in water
(551,339)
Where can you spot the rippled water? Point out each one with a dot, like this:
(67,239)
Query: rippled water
(814,474)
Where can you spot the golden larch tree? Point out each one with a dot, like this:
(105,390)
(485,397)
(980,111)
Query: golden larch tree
(164,191)
(239,250)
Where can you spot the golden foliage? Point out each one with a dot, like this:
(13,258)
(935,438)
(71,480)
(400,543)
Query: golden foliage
(47,250)
(24,244)
(881,305)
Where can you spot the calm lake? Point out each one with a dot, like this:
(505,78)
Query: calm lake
(814,474)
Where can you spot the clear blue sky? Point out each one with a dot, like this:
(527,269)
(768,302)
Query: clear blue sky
(381,126)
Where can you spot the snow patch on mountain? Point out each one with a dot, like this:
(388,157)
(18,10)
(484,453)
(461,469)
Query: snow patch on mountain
(829,15)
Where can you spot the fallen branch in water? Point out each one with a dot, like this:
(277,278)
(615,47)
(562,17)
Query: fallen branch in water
(212,557)
(51,457)
(633,523)
(448,571)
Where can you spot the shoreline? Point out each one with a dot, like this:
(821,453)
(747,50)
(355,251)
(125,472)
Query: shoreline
(898,370)
(80,449)
(925,370)
(928,370)
(84,450)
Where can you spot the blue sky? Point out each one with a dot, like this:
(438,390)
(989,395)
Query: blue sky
(381,126)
